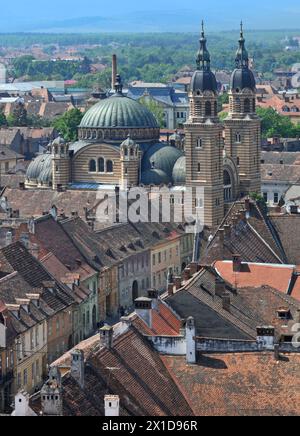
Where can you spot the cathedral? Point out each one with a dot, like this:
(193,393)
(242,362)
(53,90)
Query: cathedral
(119,143)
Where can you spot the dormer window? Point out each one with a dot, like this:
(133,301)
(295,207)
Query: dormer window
(284,314)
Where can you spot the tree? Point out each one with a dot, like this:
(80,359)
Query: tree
(19,116)
(3,120)
(155,108)
(68,123)
(274,124)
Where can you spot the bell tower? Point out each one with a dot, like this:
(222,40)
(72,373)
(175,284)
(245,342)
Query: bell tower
(60,163)
(242,126)
(203,140)
(130,162)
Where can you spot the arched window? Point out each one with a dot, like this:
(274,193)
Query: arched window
(92,166)
(286,109)
(199,142)
(208,109)
(216,108)
(247,106)
(238,137)
(109,167)
(101,167)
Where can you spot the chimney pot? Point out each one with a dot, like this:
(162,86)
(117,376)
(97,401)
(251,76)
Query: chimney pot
(171,289)
(77,366)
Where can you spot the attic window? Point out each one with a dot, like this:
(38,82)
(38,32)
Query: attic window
(155,235)
(110,253)
(284,314)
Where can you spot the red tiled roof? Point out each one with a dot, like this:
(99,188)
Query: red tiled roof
(240,384)
(256,275)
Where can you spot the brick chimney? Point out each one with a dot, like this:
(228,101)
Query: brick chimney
(226,301)
(220,287)
(227,231)
(236,263)
(22,404)
(114,71)
(193,266)
(187,274)
(178,283)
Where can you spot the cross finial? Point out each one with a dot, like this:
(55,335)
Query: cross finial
(242,27)
(202,27)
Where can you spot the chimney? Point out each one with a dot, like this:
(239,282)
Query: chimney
(247,204)
(170,289)
(178,284)
(51,394)
(112,405)
(227,231)
(8,238)
(242,214)
(193,268)
(220,287)
(276,353)
(226,301)
(114,71)
(297,317)
(266,337)
(236,263)
(143,309)
(190,336)
(106,336)
(221,235)
(153,295)
(77,367)
(22,404)
(187,274)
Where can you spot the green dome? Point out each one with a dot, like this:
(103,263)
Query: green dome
(155,177)
(161,157)
(179,171)
(118,111)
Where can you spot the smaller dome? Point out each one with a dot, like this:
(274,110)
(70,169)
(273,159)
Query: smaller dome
(128,142)
(45,176)
(179,171)
(155,177)
(161,157)
(38,165)
(59,141)
(242,78)
(204,80)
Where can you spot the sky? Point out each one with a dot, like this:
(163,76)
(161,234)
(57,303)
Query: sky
(220,13)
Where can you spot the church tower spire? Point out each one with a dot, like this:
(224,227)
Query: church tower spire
(203,56)
(203,140)
(242,126)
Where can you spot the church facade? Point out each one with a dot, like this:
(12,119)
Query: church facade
(119,144)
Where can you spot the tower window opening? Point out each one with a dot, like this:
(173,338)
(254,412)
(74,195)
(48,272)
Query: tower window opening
(199,168)
(238,138)
(247,106)
(208,109)
(199,143)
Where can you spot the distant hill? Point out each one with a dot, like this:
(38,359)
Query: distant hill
(172,16)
